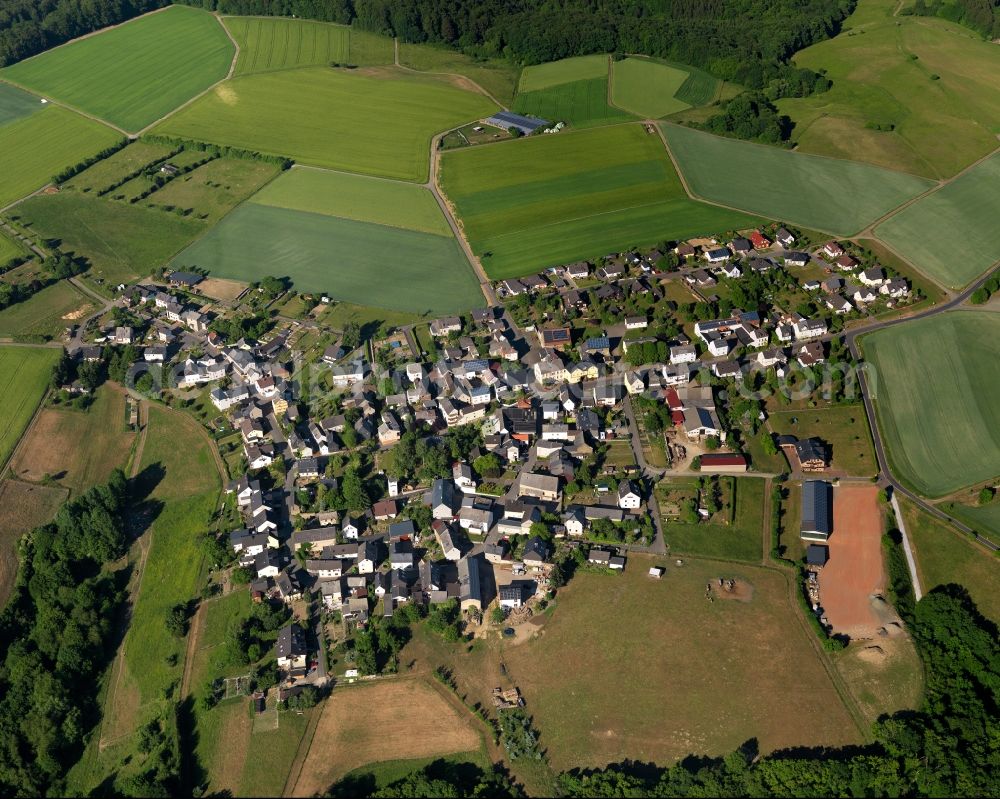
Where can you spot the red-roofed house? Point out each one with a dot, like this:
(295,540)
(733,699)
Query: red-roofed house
(759,240)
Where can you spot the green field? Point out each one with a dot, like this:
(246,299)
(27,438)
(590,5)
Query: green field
(881,67)
(839,197)
(378,124)
(268,43)
(951,234)
(212,190)
(544,76)
(35,148)
(647,88)
(360,262)
(553,199)
(938,399)
(43,313)
(382,202)
(497,76)
(24,376)
(122,241)
(167,58)
(16,104)
(983,518)
(117,166)
(843,427)
(9,249)
(579,103)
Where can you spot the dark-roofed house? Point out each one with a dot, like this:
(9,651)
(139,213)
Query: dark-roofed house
(817,511)
(188,279)
(291,648)
(508,120)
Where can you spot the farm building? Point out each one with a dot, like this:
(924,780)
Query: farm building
(817,511)
(817,555)
(713,462)
(508,120)
(186,279)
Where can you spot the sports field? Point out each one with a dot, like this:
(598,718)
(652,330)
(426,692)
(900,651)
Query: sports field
(839,197)
(547,200)
(135,73)
(881,67)
(951,234)
(36,147)
(647,88)
(16,103)
(378,121)
(24,376)
(938,398)
(553,73)
(363,240)
(580,103)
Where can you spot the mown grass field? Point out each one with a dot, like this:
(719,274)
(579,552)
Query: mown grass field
(881,67)
(580,103)
(377,122)
(547,200)
(496,76)
(16,103)
(168,57)
(47,313)
(270,754)
(24,376)
(382,202)
(647,88)
(843,427)
(938,399)
(840,197)
(946,556)
(36,147)
(118,166)
(983,518)
(553,73)
(211,191)
(360,262)
(22,508)
(268,43)
(950,235)
(9,249)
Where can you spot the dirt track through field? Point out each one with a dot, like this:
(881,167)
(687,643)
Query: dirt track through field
(854,572)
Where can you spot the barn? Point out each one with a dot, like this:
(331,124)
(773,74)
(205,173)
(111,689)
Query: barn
(508,120)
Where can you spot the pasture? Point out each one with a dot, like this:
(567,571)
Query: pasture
(16,103)
(838,197)
(581,103)
(568,70)
(363,724)
(713,673)
(529,204)
(496,76)
(9,249)
(843,427)
(946,556)
(117,166)
(79,448)
(47,313)
(269,43)
(950,234)
(24,377)
(886,108)
(937,399)
(36,147)
(23,507)
(377,121)
(647,88)
(270,755)
(169,57)
(360,262)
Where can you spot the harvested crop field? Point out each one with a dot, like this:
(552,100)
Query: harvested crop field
(937,398)
(364,724)
(22,508)
(376,121)
(218,288)
(133,74)
(854,572)
(836,196)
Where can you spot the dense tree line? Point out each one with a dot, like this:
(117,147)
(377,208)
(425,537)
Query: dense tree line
(54,639)
(440,778)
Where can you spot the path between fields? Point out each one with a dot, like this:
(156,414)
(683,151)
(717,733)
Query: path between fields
(480,87)
(910,561)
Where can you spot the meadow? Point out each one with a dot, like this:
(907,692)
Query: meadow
(839,197)
(546,200)
(268,43)
(24,377)
(16,103)
(843,427)
(377,122)
(937,400)
(985,519)
(886,106)
(946,556)
(580,103)
(117,166)
(9,249)
(169,57)
(36,147)
(23,507)
(950,235)
(647,88)
(46,313)
(553,73)
(496,76)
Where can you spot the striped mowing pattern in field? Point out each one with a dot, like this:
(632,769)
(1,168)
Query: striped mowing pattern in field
(269,43)
(698,89)
(24,376)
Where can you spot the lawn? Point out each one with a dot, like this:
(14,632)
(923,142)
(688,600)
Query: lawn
(568,70)
(881,67)
(24,376)
(121,241)
(79,448)
(133,74)
(496,76)
(547,200)
(843,427)
(839,197)
(34,148)
(717,537)
(646,87)
(47,313)
(581,103)
(22,508)
(670,674)
(950,234)
(946,556)
(16,104)
(938,398)
(376,121)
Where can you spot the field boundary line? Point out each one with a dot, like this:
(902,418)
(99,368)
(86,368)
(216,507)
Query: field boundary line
(53,101)
(302,752)
(236,46)
(5,466)
(910,561)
